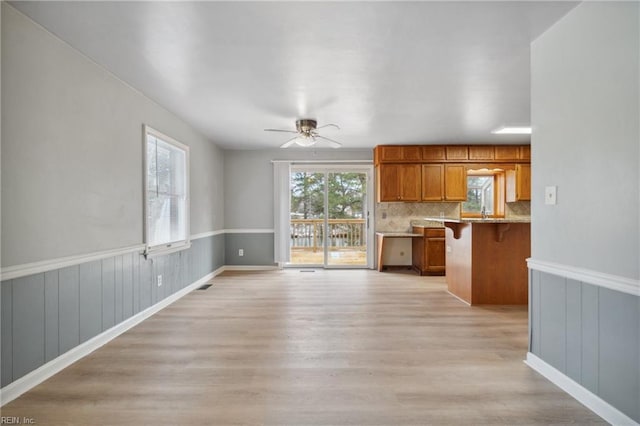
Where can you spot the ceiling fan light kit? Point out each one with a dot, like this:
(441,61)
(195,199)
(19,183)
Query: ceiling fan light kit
(307,134)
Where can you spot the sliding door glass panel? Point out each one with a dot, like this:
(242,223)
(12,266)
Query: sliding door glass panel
(307,218)
(347,223)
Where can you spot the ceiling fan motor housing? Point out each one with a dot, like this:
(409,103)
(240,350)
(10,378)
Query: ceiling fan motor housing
(306,126)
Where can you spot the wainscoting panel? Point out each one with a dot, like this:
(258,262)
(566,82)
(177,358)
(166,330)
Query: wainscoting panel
(28,323)
(47,314)
(51,315)
(591,334)
(258,248)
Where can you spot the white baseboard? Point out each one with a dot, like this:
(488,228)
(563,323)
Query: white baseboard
(250,268)
(39,375)
(579,392)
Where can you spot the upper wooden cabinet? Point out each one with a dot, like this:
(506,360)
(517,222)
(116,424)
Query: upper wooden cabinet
(481,152)
(399,153)
(432,182)
(439,172)
(457,152)
(433,153)
(519,183)
(399,182)
(507,153)
(451,154)
(455,182)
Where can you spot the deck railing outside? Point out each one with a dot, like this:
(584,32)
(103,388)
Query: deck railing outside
(308,234)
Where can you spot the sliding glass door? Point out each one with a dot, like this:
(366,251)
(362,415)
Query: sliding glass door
(330,217)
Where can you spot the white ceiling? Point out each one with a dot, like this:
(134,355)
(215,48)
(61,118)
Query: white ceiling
(386,72)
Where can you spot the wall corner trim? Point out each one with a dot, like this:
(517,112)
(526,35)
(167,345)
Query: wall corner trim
(612,282)
(39,375)
(580,393)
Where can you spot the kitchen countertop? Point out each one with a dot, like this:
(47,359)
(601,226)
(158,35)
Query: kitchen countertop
(479,220)
(392,234)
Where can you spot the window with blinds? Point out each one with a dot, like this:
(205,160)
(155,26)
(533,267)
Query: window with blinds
(166,192)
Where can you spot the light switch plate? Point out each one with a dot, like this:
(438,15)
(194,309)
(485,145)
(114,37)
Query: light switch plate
(550,195)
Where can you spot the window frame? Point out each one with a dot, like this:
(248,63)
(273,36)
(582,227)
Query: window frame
(499,188)
(172,246)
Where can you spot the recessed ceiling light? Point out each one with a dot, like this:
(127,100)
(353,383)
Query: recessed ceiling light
(512,130)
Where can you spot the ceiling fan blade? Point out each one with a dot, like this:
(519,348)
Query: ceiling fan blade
(329,125)
(332,143)
(280,130)
(288,143)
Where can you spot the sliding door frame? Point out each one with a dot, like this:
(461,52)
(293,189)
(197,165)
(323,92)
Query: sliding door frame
(368,208)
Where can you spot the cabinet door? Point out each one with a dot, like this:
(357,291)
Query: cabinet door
(388,183)
(390,153)
(507,153)
(523,182)
(412,153)
(409,182)
(432,182)
(482,152)
(455,182)
(433,153)
(457,152)
(519,183)
(435,253)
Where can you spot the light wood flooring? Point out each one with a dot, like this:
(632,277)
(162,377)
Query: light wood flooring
(340,347)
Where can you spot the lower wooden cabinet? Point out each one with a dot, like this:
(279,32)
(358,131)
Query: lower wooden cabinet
(428,253)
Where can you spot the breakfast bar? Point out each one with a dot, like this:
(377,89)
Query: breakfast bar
(486,260)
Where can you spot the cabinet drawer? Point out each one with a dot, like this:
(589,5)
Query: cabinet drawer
(434,232)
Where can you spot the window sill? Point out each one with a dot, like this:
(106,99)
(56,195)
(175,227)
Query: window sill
(152,252)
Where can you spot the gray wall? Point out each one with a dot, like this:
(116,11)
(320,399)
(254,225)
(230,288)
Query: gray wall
(71,185)
(248,181)
(45,315)
(585,113)
(248,194)
(72,152)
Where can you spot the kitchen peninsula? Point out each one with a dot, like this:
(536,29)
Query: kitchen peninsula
(486,260)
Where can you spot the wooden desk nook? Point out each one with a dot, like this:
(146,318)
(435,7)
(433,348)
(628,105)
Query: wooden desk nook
(381,236)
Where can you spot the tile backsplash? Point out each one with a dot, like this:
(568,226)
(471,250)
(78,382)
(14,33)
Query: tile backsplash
(397,217)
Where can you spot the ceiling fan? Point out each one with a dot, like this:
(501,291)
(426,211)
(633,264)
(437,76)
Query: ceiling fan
(306,134)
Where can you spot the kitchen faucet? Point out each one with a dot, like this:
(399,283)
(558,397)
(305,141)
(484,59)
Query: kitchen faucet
(483,212)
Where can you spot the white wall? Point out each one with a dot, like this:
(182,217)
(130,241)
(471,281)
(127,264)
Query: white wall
(72,152)
(585,114)
(248,189)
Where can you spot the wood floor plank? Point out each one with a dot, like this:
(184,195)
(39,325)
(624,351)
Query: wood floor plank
(341,347)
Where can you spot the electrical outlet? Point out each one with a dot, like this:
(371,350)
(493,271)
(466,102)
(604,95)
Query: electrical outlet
(240,252)
(159,280)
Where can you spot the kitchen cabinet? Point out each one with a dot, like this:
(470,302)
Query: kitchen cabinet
(399,182)
(428,252)
(455,182)
(457,152)
(451,154)
(481,152)
(399,153)
(519,183)
(433,153)
(507,153)
(432,182)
